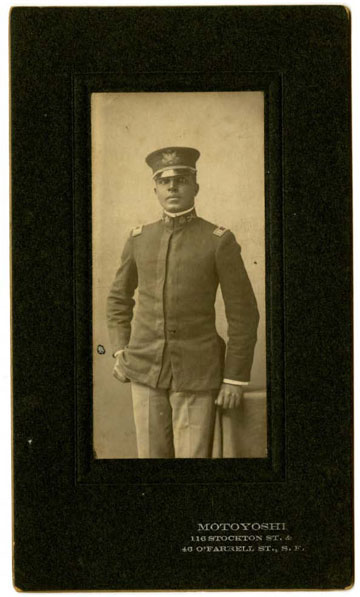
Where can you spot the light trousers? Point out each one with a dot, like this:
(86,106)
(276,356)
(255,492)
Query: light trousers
(173,424)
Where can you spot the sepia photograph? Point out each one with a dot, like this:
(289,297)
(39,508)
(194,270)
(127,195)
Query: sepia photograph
(178,275)
(181,278)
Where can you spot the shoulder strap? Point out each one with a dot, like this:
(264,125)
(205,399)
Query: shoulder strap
(219,231)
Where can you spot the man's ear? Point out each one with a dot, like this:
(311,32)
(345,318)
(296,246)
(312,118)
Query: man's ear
(155,190)
(196,189)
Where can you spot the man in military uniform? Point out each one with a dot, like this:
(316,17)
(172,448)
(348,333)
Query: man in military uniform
(171,352)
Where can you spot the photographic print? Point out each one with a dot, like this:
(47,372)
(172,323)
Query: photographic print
(178,211)
(181,298)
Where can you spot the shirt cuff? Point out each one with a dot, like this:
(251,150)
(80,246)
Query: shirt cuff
(236,383)
(118,352)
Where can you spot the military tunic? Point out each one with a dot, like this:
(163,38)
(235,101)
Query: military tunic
(177,264)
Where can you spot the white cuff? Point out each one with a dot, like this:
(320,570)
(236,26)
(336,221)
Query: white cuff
(236,383)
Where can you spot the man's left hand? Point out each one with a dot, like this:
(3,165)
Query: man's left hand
(229,396)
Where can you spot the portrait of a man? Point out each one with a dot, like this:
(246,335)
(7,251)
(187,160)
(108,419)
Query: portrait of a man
(177,363)
(178,275)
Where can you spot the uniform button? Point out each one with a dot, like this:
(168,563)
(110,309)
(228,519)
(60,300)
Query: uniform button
(172,332)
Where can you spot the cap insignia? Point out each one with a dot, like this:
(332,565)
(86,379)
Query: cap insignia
(170,157)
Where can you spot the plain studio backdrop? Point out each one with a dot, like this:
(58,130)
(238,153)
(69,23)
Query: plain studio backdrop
(228,130)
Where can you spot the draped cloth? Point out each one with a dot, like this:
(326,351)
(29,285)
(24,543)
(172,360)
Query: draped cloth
(242,432)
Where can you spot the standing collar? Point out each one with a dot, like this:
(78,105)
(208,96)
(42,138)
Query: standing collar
(179,218)
(179,213)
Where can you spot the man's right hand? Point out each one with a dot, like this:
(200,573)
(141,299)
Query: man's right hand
(118,371)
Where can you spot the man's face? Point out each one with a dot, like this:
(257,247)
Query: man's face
(176,193)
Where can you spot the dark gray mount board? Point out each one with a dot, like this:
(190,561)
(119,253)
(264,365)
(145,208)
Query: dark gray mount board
(86,524)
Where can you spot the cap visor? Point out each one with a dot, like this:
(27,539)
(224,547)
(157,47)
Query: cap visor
(177,171)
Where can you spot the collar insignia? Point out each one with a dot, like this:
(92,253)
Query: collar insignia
(179,219)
